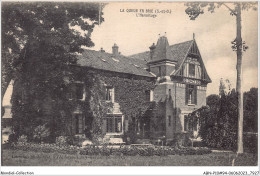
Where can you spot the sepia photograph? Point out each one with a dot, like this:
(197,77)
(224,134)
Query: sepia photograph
(152,83)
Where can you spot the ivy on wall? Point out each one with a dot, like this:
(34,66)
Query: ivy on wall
(129,92)
(31,110)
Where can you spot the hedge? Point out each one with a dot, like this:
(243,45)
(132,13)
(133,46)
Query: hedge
(126,150)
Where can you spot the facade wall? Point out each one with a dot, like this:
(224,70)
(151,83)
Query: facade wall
(182,108)
(174,94)
(160,92)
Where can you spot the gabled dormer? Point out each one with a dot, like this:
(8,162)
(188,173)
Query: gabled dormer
(191,68)
(161,58)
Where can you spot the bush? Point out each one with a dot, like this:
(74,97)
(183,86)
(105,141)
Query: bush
(12,138)
(22,138)
(78,140)
(41,133)
(47,148)
(62,141)
(106,150)
(142,151)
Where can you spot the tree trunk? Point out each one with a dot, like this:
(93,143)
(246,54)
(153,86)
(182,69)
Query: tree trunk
(238,86)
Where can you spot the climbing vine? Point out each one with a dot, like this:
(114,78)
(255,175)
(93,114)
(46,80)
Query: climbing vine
(129,92)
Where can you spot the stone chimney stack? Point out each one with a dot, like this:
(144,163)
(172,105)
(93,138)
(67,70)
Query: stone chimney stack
(102,50)
(152,48)
(115,50)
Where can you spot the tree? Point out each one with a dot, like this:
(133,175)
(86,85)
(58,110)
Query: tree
(218,121)
(251,110)
(26,27)
(194,10)
(39,45)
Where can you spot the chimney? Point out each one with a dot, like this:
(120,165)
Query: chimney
(115,50)
(152,50)
(102,50)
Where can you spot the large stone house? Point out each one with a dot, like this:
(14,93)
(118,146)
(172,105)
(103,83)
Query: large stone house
(151,93)
(179,80)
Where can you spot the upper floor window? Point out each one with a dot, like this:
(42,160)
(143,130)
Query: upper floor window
(169,120)
(110,94)
(160,71)
(191,69)
(147,95)
(191,94)
(79,91)
(76,91)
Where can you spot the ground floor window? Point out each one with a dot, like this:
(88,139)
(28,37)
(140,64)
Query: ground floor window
(190,123)
(186,123)
(113,124)
(79,124)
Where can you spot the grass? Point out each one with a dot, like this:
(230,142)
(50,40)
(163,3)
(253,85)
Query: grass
(25,158)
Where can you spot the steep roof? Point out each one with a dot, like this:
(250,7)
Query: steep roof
(175,52)
(162,50)
(109,62)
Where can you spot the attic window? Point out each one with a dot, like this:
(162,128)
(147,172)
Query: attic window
(191,69)
(137,66)
(103,60)
(115,59)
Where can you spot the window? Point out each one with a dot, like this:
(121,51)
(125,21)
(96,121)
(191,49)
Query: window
(76,91)
(79,91)
(109,94)
(160,71)
(191,94)
(170,92)
(147,95)
(169,120)
(195,124)
(79,124)
(69,94)
(114,124)
(186,123)
(191,70)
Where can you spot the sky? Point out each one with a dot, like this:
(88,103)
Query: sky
(213,34)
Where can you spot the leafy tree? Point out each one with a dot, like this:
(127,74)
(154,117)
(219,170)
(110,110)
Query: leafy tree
(213,100)
(194,10)
(38,47)
(251,110)
(33,26)
(218,120)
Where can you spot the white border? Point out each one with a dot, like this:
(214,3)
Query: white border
(165,170)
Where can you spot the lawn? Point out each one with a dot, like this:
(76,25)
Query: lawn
(24,158)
